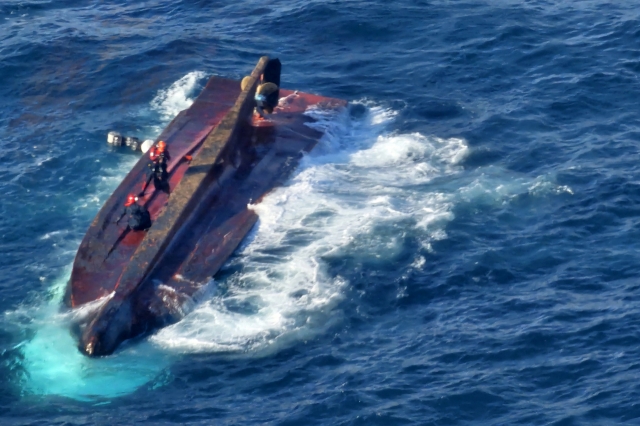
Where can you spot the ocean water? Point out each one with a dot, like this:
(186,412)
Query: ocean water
(461,248)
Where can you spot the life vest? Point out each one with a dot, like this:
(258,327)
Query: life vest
(153,153)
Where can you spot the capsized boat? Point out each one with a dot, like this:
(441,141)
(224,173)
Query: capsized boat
(142,280)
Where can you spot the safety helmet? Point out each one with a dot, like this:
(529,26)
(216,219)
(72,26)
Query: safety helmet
(153,153)
(130,200)
(161,146)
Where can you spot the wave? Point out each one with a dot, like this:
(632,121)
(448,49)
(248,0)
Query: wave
(278,290)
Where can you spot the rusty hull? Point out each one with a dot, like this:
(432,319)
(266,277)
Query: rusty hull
(145,278)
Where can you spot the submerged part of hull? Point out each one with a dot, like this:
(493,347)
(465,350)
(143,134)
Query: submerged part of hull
(152,275)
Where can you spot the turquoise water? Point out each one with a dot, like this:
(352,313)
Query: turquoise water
(53,365)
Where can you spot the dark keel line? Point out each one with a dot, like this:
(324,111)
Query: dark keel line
(204,219)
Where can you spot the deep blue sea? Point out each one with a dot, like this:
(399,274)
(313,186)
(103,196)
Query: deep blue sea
(461,248)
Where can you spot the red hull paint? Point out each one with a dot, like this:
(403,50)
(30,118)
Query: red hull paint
(264,154)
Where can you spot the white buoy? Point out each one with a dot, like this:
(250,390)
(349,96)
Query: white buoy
(146,145)
(131,140)
(114,138)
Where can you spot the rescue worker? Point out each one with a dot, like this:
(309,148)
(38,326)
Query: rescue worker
(139,217)
(160,153)
(266,97)
(159,156)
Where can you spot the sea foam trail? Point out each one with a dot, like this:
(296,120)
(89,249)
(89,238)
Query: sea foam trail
(179,96)
(50,360)
(359,179)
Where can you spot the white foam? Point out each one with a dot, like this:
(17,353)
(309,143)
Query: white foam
(495,186)
(543,186)
(169,102)
(355,195)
